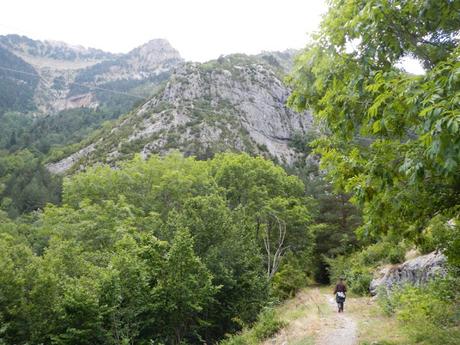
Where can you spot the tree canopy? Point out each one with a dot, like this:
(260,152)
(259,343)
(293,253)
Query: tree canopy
(167,250)
(392,138)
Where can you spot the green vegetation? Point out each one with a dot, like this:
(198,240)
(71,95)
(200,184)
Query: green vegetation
(266,326)
(406,168)
(25,184)
(25,144)
(16,89)
(169,250)
(427,313)
(391,141)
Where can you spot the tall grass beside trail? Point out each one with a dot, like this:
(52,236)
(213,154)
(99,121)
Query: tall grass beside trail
(267,325)
(430,314)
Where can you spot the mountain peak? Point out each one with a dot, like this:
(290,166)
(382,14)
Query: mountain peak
(156,51)
(157,43)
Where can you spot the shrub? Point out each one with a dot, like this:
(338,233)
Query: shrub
(288,280)
(385,301)
(357,275)
(238,339)
(359,279)
(396,254)
(267,324)
(429,314)
(382,252)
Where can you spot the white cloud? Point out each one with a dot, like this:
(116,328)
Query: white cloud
(199,29)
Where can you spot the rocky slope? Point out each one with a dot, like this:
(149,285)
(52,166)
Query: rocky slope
(73,76)
(233,103)
(236,102)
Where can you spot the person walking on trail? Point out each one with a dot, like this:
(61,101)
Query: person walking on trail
(340,293)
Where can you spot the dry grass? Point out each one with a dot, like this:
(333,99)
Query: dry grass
(373,326)
(304,315)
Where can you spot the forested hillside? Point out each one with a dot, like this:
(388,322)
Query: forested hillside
(17,88)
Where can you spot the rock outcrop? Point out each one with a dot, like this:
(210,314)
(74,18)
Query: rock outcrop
(416,271)
(66,163)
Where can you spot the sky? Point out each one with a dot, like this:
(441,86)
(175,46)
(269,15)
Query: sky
(200,29)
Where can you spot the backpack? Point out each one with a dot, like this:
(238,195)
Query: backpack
(341,295)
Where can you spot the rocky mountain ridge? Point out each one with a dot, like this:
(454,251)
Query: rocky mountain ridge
(30,49)
(235,103)
(73,76)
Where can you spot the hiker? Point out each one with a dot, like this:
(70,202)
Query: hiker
(340,293)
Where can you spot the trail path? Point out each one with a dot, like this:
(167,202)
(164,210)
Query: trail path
(312,319)
(338,329)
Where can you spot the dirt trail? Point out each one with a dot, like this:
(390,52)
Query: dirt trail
(338,329)
(312,319)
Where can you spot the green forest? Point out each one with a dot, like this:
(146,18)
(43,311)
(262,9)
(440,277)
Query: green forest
(167,250)
(181,250)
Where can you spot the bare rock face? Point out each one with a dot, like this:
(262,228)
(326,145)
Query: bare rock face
(417,271)
(67,163)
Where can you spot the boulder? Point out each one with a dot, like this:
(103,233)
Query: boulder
(416,271)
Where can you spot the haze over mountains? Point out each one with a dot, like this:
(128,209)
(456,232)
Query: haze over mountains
(236,102)
(71,76)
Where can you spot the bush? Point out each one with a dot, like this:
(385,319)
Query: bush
(382,252)
(359,280)
(238,339)
(396,254)
(429,314)
(268,324)
(288,280)
(358,276)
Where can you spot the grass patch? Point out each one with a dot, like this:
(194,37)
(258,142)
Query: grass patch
(373,326)
(266,326)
